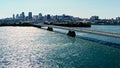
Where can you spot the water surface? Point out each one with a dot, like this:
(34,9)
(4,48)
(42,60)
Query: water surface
(29,47)
(106,28)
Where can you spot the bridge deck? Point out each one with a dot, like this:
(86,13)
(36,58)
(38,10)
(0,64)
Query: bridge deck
(84,30)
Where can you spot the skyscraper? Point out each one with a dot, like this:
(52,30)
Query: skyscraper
(30,15)
(23,15)
(17,16)
(40,16)
(13,16)
(94,18)
(48,17)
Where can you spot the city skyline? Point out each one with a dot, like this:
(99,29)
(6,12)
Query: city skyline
(77,8)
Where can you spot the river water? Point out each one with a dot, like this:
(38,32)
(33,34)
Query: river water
(106,28)
(30,47)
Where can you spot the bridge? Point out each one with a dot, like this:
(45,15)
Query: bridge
(72,30)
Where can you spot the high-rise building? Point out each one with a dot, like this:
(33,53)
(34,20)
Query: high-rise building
(94,18)
(118,19)
(35,17)
(22,15)
(30,15)
(13,16)
(17,16)
(48,17)
(40,16)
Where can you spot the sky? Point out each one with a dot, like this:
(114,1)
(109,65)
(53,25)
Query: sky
(76,8)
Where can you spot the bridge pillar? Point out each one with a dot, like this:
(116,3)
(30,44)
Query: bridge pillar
(71,33)
(50,29)
(39,26)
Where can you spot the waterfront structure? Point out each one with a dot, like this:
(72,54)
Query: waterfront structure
(71,31)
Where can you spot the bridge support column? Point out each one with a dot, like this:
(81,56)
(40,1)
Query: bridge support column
(71,33)
(50,29)
(39,26)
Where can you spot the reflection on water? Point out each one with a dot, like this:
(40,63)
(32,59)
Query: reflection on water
(29,47)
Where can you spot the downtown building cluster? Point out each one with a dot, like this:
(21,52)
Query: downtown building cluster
(45,18)
(96,20)
(22,17)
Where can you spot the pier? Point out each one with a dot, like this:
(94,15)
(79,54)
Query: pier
(72,30)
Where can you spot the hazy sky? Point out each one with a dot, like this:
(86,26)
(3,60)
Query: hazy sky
(77,8)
